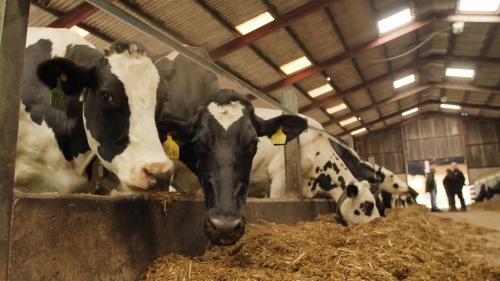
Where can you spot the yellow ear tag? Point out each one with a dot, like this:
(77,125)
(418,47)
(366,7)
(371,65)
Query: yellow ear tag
(57,96)
(171,147)
(279,138)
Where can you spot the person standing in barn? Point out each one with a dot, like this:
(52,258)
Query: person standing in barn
(449,185)
(430,186)
(458,185)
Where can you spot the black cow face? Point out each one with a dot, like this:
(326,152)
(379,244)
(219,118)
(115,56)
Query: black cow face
(223,136)
(118,92)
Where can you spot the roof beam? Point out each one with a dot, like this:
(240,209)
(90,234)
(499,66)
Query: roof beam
(428,102)
(345,55)
(74,16)
(284,20)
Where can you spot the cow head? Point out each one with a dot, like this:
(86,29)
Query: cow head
(357,204)
(389,182)
(118,92)
(223,136)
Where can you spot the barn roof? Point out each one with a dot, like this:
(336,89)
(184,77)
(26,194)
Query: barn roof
(351,61)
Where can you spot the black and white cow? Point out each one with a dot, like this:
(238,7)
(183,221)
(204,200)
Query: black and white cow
(109,113)
(219,143)
(323,173)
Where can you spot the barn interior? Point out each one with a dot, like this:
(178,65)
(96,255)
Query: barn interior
(409,85)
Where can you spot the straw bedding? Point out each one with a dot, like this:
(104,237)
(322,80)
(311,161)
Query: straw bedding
(409,244)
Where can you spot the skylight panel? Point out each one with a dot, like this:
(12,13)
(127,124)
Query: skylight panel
(411,111)
(295,65)
(348,121)
(320,90)
(254,23)
(450,106)
(358,131)
(404,81)
(478,6)
(336,108)
(394,21)
(460,72)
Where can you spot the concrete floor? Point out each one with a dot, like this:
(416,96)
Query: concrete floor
(487,218)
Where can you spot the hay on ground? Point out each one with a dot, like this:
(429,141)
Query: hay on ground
(407,245)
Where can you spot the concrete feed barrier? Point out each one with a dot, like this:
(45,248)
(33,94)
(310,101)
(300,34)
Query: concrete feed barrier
(87,237)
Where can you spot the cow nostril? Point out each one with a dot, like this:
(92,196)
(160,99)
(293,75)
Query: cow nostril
(396,185)
(157,174)
(226,225)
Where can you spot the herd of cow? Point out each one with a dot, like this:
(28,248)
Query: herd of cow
(120,107)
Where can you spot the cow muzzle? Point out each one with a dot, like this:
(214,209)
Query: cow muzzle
(224,230)
(157,175)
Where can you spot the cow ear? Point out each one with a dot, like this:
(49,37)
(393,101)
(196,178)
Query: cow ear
(290,125)
(71,77)
(182,131)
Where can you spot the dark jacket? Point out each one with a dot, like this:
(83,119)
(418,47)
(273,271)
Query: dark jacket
(430,183)
(449,182)
(460,179)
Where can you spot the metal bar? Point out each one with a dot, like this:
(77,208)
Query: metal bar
(169,40)
(13,28)
(273,26)
(75,16)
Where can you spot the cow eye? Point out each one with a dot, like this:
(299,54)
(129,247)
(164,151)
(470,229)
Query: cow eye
(106,97)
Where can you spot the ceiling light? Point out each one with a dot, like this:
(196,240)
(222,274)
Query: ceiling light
(254,23)
(348,121)
(328,78)
(295,65)
(396,20)
(408,112)
(478,5)
(320,90)
(404,81)
(450,106)
(358,131)
(336,108)
(460,72)
(80,31)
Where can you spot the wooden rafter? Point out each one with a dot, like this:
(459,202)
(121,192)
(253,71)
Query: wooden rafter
(273,26)
(74,16)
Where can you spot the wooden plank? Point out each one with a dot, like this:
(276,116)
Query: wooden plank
(74,16)
(13,27)
(285,20)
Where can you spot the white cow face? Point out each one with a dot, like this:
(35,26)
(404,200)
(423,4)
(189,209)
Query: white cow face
(357,204)
(119,103)
(390,182)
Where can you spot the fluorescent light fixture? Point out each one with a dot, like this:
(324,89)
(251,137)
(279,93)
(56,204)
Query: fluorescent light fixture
(450,106)
(460,72)
(336,108)
(320,90)
(80,31)
(478,5)
(254,23)
(348,121)
(295,65)
(411,111)
(404,81)
(396,20)
(358,131)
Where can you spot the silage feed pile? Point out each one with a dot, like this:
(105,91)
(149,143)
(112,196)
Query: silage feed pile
(409,244)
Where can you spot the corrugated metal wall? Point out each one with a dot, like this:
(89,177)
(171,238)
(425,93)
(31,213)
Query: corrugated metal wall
(482,143)
(386,147)
(434,136)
